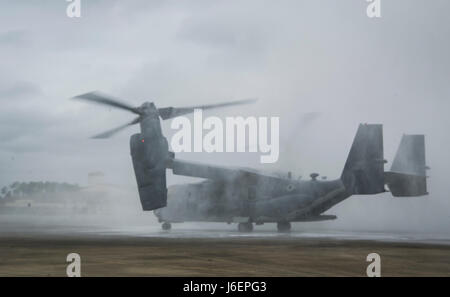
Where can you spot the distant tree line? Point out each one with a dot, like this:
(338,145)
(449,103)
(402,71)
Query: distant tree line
(23,189)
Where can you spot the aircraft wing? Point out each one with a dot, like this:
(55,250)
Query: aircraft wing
(220,173)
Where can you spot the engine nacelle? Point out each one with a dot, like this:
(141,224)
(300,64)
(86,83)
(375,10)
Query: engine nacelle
(149,161)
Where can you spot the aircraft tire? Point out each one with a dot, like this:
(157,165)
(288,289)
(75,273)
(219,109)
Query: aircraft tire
(166,226)
(245,227)
(284,226)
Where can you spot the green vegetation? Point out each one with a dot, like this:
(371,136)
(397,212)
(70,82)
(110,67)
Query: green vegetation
(23,189)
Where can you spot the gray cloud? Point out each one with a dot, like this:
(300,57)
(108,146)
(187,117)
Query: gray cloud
(14,38)
(296,56)
(209,31)
(18,90)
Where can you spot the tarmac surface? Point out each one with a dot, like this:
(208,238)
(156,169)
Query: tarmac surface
(40,248)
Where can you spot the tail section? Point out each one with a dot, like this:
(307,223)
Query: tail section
(407,177)
(363,173)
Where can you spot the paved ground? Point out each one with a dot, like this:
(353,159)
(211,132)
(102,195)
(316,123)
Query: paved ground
(40,248)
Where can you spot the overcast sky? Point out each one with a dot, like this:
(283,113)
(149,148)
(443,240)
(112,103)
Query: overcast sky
(295,56)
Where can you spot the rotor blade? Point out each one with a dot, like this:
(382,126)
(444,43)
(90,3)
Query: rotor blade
(111,132)
(106,100)
(172,112)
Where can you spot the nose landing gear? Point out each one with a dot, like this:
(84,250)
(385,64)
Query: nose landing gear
(245,227)
(284,226)
(166,226)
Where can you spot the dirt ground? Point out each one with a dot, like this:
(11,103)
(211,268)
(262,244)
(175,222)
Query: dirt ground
(134,256)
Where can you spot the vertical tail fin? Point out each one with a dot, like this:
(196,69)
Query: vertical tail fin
(364,170)
(410,157)
(407,177)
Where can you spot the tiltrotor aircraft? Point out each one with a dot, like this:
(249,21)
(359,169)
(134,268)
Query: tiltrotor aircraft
(248,197)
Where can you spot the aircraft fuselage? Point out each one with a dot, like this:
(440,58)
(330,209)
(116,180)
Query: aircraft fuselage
(284,200)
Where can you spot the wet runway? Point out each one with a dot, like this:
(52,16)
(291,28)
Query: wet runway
(55,226)
(38,246)
(199,232)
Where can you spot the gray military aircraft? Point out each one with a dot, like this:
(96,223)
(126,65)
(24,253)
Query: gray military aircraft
(246,196)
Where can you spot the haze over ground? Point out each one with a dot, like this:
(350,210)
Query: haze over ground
(295,56)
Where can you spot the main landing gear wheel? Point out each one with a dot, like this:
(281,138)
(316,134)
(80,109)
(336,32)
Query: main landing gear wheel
(245,227)
(284,226)
(166,226)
